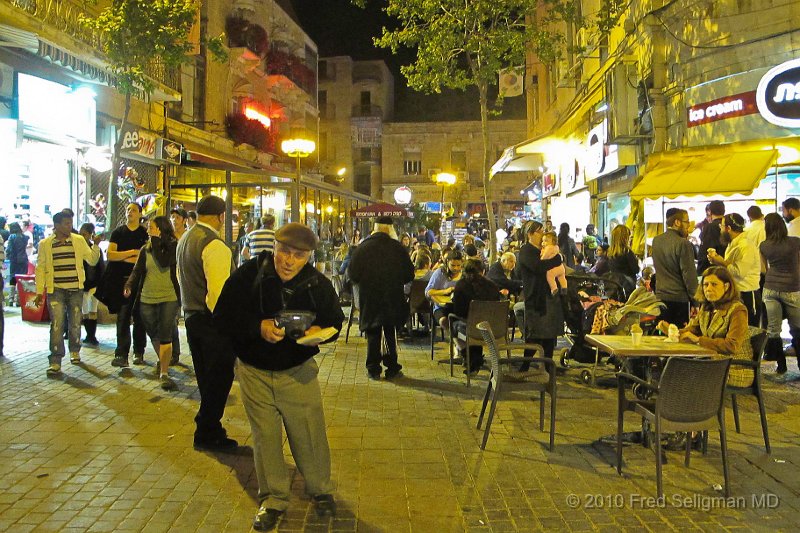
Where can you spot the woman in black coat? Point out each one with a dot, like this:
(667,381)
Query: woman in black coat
(473,285)
(567,246)
(380,267)
(622,262)
(544,314)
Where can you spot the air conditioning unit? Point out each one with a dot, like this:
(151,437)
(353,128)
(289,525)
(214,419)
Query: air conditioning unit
(620,84)
(432,173)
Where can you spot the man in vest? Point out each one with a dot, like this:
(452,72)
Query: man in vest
(205,262)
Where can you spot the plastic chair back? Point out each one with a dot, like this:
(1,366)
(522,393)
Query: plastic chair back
(691,390)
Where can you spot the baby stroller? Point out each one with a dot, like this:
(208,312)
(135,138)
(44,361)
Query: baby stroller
(612,317)
(586,293)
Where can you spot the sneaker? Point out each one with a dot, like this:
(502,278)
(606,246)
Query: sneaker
(325,505)
(267,519)
(394,374)
(75,358)
(167,383)
(374,375)
(138,359)
(54,369)
(121,362)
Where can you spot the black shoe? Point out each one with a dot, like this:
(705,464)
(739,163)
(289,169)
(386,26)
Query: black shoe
(325,505)
(391,374)
(374,375)
(174,361)
(222,445)
(138,359)
(121,362)
(91,340)
(267,519)
(781,369)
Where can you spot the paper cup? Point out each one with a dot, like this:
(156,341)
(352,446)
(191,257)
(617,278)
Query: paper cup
(636,338)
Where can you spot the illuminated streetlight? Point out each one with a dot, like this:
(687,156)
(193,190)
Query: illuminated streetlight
(444,179)
(297,148)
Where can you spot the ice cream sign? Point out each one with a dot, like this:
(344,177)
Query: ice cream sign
(736,105)
(778,95)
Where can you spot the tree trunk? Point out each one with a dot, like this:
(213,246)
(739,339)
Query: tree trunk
(116,161)
(484,101)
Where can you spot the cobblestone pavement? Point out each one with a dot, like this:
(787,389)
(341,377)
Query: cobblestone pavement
(106,450)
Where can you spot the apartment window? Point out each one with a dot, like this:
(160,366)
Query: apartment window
(412,162)
(366,154)
(366,103)
(361,182)
(458,159)
(602,47)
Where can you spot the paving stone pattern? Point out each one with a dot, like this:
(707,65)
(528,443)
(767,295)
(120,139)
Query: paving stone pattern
(101,449)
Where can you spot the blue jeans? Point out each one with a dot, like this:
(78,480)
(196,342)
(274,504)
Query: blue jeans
(159,320)
(63,303)
(782,305)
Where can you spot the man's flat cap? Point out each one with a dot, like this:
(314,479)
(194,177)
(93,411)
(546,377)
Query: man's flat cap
(297,236)
(210,205)
(385,220)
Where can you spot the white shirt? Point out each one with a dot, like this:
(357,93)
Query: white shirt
(744,263)
(793,227)
(217,260)
(755,232)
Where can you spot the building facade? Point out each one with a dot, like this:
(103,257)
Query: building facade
(356,98)
(664,111)
(415,152)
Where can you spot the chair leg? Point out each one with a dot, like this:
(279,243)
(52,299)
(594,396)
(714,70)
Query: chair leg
(489,420)
(349,323)
(762,411)
(541,411)
(735,413)
(620,412)
(688,448)
(724,447)
(451,356)
(659,481)
(467,362)
(552,419)
(485,401)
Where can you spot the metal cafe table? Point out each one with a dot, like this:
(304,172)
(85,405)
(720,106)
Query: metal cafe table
(621,346)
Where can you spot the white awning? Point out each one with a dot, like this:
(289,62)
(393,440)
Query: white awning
(11,37)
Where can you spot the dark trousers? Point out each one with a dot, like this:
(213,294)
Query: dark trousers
(375,353)
(752,301)
(2,316)
(124,317)
(676,313)
(549,346)
(213,359)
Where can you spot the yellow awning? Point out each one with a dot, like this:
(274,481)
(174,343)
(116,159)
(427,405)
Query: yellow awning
(722,170)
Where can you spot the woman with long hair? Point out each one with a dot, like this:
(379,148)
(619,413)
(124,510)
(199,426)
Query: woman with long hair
(442,284)
(473,285)
(17,256)
(721,323)
(155,283)
(781,255)
(567,246)
(622,262)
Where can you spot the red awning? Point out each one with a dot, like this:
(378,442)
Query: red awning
(381,210)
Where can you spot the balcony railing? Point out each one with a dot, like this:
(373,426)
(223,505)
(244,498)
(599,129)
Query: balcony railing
(367,110)
(367,73)
(65,16)
(279,63)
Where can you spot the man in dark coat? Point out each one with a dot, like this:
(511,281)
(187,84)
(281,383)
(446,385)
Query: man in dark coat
(380,267)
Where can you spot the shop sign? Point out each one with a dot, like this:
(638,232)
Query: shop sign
(737,105)
(550,183)
(778,95)
(147,145)
(603,158)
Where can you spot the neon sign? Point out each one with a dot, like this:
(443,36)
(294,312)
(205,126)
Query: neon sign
(778,95)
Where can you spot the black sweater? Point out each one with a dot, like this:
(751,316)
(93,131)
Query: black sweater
(253,294)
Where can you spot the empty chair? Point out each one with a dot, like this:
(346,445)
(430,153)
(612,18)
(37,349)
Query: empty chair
(688,397)
(758,340)
(418,304)
(505,378)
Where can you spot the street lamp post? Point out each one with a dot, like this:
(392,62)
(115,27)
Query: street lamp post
(444,179)
(297,148)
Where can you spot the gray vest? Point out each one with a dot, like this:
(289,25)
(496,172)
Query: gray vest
(190,266)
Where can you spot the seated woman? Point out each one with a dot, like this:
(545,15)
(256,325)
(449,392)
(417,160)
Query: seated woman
(472,286)
(721,323)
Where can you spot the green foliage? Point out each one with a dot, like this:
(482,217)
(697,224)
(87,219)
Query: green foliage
(138,35)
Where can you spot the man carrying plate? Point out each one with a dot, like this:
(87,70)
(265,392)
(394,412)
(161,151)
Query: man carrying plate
(276,370)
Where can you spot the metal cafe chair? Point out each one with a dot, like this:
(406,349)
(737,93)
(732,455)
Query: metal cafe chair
(758,341)
(493,312)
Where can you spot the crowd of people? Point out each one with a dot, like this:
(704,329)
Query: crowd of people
(260,310)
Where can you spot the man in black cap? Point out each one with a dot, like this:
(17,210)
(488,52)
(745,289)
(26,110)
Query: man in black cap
(276,369)
(381,267)
(205,262)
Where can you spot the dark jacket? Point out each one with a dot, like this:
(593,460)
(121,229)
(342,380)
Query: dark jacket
(544,316)
(710,237)
(16,254)
(93,272)
(624,269)
(479,289)
(164,255)
(568,249)
(497,275)
(673,259)
(380,267)
(255,292)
